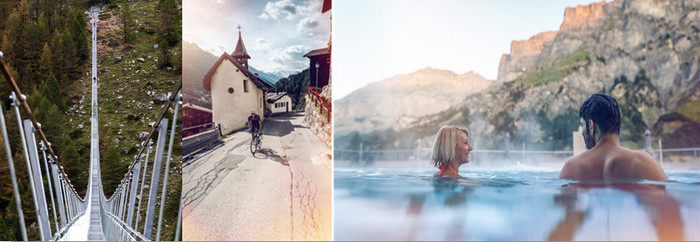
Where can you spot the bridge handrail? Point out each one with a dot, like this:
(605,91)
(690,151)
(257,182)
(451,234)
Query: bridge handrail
(22,99)
(163,111)
(171,100)
(126,227)
(120,204)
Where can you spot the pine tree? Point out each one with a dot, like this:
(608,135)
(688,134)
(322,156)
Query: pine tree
(112,169)
(70,159)
(5,10)
(51,90)
(31,44)
(52,120)
(11,39)
(78,32)
(29,77)
(165,56)
(168,17)
(127,22)
(46,60)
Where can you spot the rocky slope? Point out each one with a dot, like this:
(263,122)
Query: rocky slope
(399,101)
(644,53)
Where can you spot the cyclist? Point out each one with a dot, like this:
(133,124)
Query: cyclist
(254,124)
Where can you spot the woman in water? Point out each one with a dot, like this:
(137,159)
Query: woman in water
(450,150)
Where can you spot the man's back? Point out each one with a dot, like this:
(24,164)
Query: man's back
(612,161)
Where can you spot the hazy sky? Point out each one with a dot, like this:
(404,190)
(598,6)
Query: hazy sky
(276,33)
(374,40)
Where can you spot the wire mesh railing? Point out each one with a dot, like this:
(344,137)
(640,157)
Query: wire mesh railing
(63,196)
(123,208)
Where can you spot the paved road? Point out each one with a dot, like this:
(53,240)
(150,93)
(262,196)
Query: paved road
(282,193)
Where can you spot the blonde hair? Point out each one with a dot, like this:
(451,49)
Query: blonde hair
(445,143)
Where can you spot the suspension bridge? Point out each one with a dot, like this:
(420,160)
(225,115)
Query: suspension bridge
(94,216)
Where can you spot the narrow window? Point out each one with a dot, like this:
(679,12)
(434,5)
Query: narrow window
(245,85)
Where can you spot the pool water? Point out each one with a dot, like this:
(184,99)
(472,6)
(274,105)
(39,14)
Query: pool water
(518,203)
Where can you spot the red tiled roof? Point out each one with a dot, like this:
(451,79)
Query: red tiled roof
(206,82)
(317,52)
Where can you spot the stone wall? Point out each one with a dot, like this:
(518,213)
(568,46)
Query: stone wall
(316,121)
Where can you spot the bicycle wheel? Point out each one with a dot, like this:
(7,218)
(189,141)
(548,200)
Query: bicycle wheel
(252,145)
(259,143)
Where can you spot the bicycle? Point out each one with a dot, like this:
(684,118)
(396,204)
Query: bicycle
(255,143)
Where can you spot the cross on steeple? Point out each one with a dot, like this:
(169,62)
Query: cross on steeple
(240,53)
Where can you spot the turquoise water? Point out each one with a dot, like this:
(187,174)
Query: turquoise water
(518,203)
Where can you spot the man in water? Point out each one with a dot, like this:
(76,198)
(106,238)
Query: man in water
(605,158)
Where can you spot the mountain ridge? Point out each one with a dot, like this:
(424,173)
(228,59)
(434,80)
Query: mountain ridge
(428,90)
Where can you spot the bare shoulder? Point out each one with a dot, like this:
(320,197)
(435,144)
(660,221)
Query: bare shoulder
(650,168)
(635,165)
(572,168)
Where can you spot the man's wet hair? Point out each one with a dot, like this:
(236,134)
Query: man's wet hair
(604,111)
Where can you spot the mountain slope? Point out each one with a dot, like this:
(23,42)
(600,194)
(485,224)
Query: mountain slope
(195,65)
(400,100)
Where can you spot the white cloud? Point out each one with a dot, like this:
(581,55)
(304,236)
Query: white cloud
(219,1)
(307,24)
(261,44)
(217,49)
(280,9)
(292,58)
(315,23)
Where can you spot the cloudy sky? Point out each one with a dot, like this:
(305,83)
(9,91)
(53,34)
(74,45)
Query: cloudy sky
(374,40)
(276,33)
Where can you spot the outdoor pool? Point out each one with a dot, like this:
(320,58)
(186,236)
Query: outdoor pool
(517,203)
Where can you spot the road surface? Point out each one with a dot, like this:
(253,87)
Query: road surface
(281,193)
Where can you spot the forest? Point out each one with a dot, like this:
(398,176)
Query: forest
(295,85)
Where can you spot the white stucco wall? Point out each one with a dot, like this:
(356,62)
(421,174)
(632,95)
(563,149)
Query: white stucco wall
(231,111)
(280,109)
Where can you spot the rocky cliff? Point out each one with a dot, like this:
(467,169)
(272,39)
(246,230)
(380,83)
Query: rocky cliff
(644,53)
(523,55)
(399,101)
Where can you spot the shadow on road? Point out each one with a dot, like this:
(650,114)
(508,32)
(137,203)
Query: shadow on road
(277,128)
(287,116)
(267,153)
(188,160)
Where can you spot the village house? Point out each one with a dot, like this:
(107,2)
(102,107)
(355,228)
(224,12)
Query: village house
(319,67)
(279,102)
(195,119)
(234,90)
